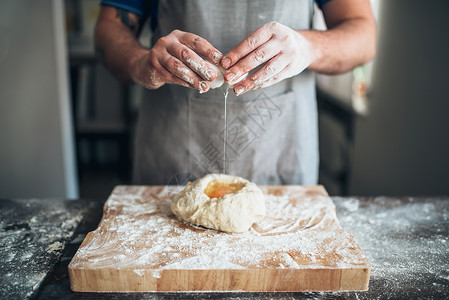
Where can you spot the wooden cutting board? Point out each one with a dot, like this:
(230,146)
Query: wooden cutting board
(140,246)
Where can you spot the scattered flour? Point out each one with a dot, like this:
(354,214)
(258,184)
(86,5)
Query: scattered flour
(139,272)
(139,231)
(56,246)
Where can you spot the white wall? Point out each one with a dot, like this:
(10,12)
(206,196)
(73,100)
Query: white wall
(36,137)
(402,147)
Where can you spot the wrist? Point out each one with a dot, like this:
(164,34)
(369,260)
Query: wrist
(315,50)
(134,62)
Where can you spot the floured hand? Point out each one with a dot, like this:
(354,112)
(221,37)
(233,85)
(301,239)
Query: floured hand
(176,59)
(284,52)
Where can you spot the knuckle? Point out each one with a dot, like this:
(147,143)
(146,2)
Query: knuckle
(259,55)
(285,38)
(269,69)
(173,63)
(184,53)
(163,40)
(211,54)
(196,42)
(257,84)
(175,32)
(176,64)
(257,81)
(251,41)
(273,25)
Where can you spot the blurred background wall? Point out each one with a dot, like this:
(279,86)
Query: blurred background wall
(402,146)
(37,155)
(390,136)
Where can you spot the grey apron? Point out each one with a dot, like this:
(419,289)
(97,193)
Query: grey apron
(272,132)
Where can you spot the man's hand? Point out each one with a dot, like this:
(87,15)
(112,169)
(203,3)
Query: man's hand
(284,52)
(349,41)
(175,59)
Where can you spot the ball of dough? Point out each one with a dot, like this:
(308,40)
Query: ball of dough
(222,202)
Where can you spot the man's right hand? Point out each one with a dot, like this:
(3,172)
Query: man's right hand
(175,59)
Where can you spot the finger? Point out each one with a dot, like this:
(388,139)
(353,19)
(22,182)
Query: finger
(167,77)
(273,80)
(173,79)
(276,78)
(201,46)
(259,56)
(252,41)
(273,68)
(192,60)
(181,71)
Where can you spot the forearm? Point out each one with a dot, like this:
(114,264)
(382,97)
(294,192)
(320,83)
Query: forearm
(117,47)
(342,48)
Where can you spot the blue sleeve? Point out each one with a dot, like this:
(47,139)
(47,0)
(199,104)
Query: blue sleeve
(134,6)
(321,2)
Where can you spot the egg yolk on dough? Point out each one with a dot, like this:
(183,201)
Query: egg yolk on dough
(217,193)
(217,189)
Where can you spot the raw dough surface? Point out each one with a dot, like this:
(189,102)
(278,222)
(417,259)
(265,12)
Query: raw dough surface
(233,204)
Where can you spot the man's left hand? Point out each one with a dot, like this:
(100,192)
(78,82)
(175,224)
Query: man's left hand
(283,51)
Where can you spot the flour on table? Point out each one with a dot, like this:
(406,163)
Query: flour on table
(139,231)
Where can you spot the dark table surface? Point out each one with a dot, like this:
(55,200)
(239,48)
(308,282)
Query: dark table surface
(406,240)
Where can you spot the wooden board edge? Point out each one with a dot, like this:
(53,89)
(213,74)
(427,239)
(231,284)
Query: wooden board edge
(355,279)
(250,280)
(111,280)
(221,280)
